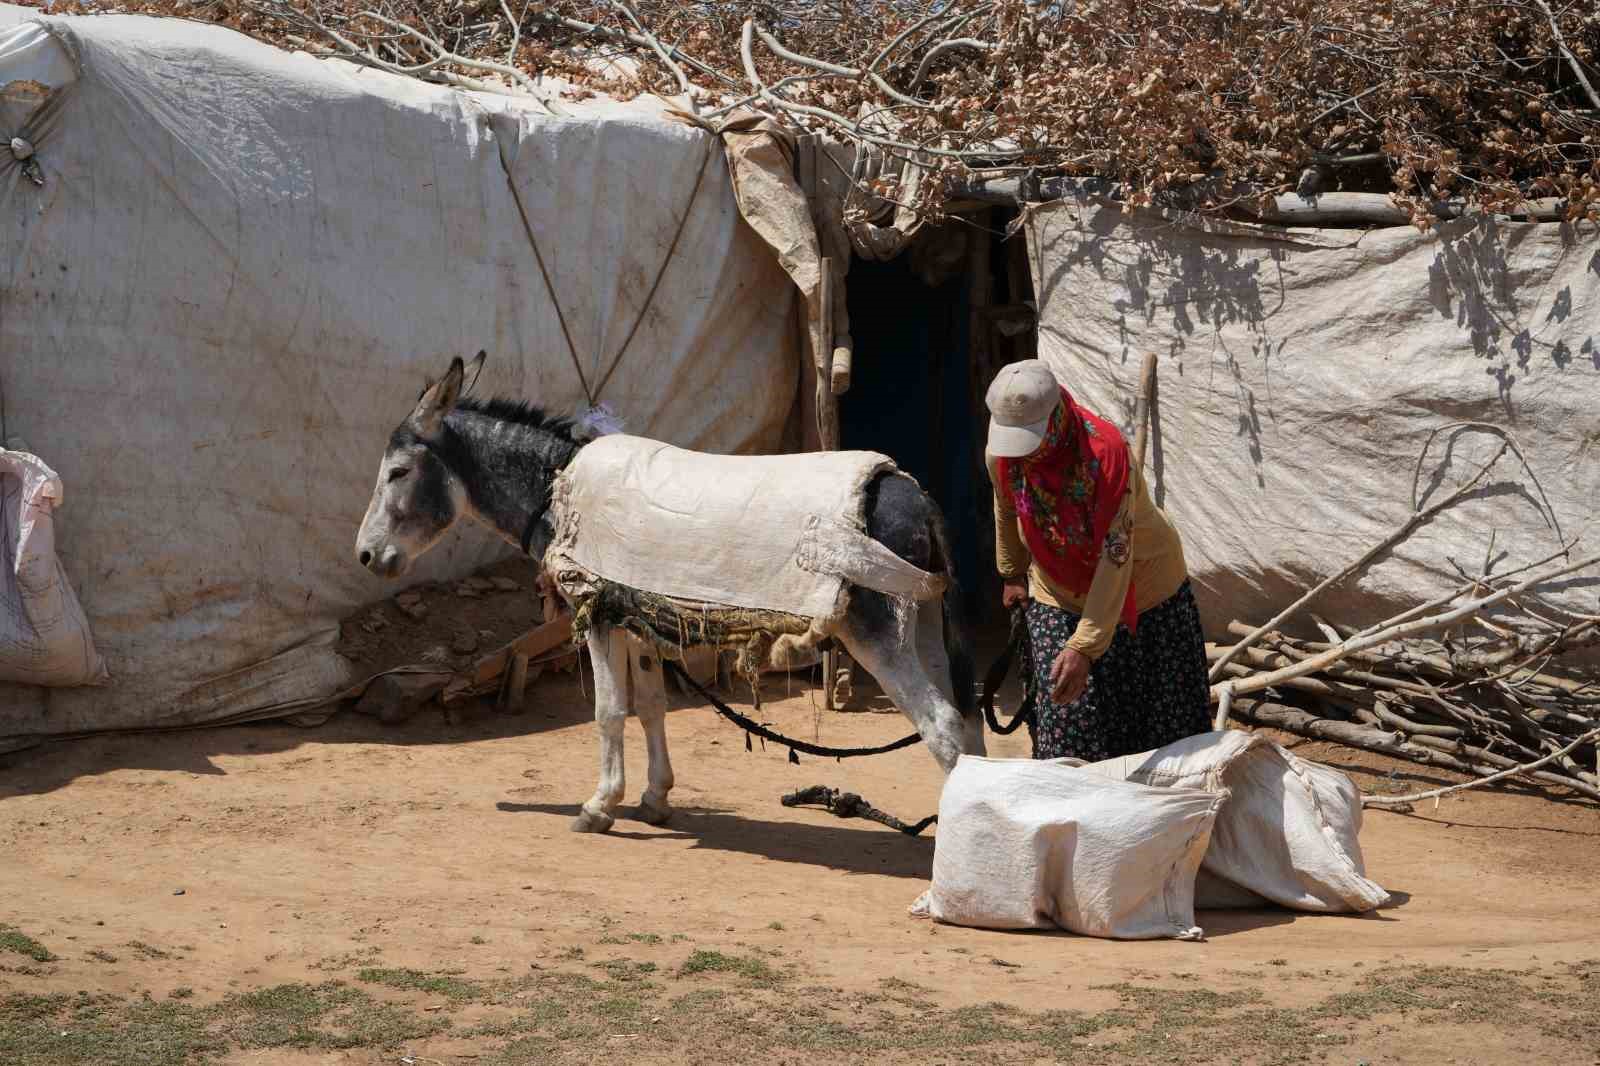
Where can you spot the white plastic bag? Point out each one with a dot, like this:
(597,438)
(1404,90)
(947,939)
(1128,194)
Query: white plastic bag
(44,636)
(1024,844)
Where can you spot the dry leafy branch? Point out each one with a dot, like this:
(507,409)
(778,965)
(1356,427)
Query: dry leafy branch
(1485,106)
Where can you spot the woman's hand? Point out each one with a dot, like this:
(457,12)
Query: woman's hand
(1069,675)
(1015,592)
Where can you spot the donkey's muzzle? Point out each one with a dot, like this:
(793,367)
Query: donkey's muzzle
(386,562)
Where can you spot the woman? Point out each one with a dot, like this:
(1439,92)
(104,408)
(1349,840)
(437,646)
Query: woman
(1118,653)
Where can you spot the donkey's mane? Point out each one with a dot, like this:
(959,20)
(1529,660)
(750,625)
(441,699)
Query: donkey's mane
(521,413)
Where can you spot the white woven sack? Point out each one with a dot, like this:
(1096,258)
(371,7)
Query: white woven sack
(1288,833)
(1025,844)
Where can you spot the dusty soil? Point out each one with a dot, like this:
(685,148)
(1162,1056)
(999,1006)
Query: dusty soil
(444,624)
(361,893)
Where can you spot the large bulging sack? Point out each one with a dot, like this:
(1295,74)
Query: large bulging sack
(1288,832)
(1026,844)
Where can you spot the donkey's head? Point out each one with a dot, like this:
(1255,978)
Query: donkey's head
(418,496)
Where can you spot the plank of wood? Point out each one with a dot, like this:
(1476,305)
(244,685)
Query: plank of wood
(534,643)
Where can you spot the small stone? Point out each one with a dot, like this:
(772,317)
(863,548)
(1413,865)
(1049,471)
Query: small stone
(505,584)
(466,592)
(177,892)
(465,644)
(393,698)
(408,599)
(478,584)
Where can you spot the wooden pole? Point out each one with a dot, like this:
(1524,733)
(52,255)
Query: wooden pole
(828,433)
(827,403)
(1141,409)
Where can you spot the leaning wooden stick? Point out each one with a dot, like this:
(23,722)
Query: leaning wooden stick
(1141,409)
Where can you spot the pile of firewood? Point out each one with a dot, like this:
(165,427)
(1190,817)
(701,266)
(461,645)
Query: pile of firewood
(1477,680)
(1443,685)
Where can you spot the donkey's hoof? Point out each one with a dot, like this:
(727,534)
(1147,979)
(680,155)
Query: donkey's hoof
(588,821)
(652,814)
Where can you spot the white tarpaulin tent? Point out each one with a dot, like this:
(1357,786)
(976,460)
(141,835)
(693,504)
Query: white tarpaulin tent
(1301,373)
(239,267)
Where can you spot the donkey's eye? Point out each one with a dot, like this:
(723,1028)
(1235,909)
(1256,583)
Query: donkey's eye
(397,473)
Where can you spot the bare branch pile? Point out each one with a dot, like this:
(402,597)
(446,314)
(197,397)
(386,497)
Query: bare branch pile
(1207,106)
(1442,685)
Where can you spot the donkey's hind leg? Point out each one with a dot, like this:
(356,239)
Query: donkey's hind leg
(650,704)
(608,654)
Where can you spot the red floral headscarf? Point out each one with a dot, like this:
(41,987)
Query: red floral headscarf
(1066,494)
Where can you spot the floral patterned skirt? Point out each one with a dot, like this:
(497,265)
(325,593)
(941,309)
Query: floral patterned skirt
(1145,692)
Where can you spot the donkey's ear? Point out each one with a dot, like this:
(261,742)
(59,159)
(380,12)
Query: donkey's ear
(438,399)
(475,368)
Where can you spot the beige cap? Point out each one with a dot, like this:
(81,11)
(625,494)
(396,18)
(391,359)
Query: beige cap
(1021,400)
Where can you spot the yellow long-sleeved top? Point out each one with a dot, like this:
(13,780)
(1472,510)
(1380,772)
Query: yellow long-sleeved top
(1154,563)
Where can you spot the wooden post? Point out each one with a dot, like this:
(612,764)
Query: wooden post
(828,434)
(985,360)
(1141,409)
(827,403)
(831,363)
(1020,282)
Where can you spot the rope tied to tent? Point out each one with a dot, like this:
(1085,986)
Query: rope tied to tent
(592,395)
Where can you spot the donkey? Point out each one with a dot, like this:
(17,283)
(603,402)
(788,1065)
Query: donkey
(496,460)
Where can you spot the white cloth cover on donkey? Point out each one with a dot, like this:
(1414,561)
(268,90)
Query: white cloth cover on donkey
(775,533)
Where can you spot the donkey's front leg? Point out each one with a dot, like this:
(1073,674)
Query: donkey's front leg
(608,654)
(650,705)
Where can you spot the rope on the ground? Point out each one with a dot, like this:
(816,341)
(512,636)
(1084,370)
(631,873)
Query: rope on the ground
(850,805)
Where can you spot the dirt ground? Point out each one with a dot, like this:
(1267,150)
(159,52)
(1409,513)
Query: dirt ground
(411,894)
